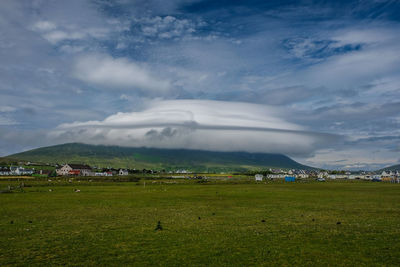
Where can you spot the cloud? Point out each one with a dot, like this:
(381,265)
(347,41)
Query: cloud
(7,109)
(167,27)
(117,73)
(44,26)
(198,124)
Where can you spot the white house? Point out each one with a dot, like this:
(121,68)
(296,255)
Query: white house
(75,169)
(20,171)
(302,175)
(322,175)
(123,172)
(4,171)
(259,177)
(276,176)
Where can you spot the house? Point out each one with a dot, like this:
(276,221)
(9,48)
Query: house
(20,171)
(276,176)
(74,169)
(123,172)
(322,175)
(5,171)
(302,175)
(259,177)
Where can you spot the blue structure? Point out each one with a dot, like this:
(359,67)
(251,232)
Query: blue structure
(290,179)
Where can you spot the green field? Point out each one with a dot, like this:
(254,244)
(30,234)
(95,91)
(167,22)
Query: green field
(215,223)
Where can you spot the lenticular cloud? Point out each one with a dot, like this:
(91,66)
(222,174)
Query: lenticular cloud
(197,124)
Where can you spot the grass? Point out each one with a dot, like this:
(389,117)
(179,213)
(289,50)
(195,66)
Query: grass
(216,223)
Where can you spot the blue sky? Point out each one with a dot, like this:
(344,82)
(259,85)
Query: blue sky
(316,80)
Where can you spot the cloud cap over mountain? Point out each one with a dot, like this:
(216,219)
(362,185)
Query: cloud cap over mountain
(199,124)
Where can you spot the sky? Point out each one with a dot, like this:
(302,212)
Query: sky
(318,81)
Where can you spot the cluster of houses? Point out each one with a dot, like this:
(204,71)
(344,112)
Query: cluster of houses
(65,170)
(5,170)
(86,170)
(388,176)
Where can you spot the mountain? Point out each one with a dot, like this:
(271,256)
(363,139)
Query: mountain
(391,168)
(154,158)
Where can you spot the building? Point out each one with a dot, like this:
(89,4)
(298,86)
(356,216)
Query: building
(75,169)
(259,177)
(290,179)
(5,171)
(276,176)
(20,171)
(323,175)
(303,175)
(123,172)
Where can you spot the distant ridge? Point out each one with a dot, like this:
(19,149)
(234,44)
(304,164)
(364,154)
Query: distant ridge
(154,158)
(391,168)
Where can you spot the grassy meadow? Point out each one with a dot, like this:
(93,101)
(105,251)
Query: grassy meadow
(217,223)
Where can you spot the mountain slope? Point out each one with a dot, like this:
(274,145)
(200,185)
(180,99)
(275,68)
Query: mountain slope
(129,157)
(391,168)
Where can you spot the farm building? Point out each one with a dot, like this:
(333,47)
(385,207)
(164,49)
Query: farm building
(123,172)
(259,177)
(75,169)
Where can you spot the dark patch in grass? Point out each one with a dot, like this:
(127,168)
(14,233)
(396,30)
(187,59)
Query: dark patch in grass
(263,221)
(11,222)
(339,223)
(199,218)
(159,226)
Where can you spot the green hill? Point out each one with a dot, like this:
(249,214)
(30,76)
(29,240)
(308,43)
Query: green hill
(153,158)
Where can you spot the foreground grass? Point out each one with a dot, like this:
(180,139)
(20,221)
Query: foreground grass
(219,224)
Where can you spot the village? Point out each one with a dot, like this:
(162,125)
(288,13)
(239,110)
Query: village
(289,175)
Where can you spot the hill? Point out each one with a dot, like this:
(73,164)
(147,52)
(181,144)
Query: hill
(153,158)
(391,168)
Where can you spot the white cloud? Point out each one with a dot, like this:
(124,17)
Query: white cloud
(57,36)
(7,121)
(44,26)
(167,27)
(117,73)
(354,158)
(197,124)
(7,109)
